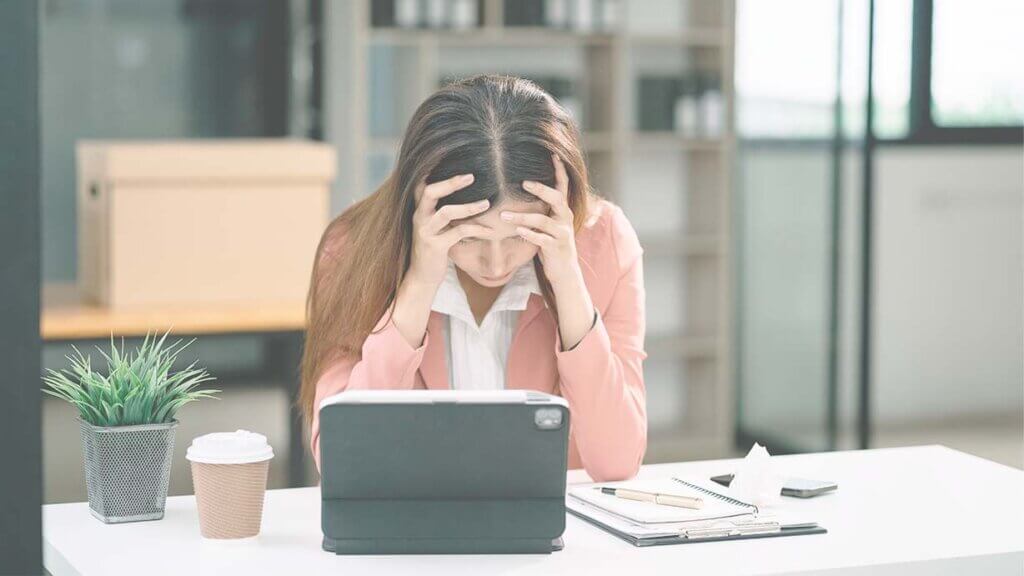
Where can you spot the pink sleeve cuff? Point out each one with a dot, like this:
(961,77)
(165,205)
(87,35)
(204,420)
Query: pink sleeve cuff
(390,343)
(580,349)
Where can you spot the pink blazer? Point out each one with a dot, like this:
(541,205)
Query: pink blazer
(601,378)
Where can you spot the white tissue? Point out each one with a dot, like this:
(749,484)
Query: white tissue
(756,481)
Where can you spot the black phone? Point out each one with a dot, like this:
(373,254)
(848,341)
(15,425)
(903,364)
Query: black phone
(795,487)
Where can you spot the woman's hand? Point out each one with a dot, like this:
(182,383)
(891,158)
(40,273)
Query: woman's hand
(552,233)
(432,235)
(555,236)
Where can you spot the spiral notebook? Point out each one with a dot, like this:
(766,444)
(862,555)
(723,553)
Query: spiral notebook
(645,524)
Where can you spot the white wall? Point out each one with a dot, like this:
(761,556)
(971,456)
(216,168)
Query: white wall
(949,287)
(948,316)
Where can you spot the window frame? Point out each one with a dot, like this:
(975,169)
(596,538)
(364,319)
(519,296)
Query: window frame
(922,126)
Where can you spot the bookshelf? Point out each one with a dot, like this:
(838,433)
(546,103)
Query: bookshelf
(665,158)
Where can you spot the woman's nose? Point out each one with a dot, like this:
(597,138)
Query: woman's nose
(494,261)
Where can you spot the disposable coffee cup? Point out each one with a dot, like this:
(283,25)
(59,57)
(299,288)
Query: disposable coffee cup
(229,474)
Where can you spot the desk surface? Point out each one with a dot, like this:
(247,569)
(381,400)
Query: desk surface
(65,316)
(897,511)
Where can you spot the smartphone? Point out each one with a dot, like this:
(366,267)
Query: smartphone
(795,487)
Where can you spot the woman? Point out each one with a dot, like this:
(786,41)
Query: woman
(485,262)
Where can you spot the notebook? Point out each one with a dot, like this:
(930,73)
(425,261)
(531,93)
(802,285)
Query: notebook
(645,524)
(715,506)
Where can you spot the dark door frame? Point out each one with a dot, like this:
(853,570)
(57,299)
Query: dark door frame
(21,483)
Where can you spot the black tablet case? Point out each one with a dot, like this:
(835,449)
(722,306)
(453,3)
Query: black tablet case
(442,478)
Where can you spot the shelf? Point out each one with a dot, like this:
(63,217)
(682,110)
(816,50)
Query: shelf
(597,141)
(384,145)
(672,445)
(673,244)
(67,315)
(692,37)
(674,185)
(668,140)
(592,142)
(489,36)
(534,35)
(689,347)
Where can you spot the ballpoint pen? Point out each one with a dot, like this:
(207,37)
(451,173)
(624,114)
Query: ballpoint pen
(666,499)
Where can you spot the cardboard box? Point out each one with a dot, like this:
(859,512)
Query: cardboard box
(200,222)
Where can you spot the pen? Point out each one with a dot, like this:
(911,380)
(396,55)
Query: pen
(665,499)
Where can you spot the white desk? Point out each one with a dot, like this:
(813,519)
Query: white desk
(898,511)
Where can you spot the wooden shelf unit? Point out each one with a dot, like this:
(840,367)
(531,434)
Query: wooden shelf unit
(377,73)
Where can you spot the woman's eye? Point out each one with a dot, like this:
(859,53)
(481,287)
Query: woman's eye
(467,240)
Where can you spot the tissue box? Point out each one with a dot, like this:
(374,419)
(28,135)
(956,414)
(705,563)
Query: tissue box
(200,221)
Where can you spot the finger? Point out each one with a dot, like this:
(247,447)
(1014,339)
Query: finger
(456,233)
(561,176)
(534,237)
(434,192)
(539,222)
(550,195)
(446,214)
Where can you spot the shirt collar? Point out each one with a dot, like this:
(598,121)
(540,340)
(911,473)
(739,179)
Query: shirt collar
(451,298)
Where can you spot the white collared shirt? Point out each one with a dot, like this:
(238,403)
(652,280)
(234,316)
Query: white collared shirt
(477,356)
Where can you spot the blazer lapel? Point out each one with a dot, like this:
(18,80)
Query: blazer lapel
(433,367)
(534,306)
(525,372)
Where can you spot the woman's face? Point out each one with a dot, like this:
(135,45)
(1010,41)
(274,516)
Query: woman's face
(491,260)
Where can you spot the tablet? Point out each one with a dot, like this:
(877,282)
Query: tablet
(443,396)
(443,471)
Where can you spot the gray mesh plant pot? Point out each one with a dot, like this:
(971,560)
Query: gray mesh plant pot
(127,469)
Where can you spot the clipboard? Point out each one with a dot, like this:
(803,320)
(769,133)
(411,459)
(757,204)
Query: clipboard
(713,530)
(790,530)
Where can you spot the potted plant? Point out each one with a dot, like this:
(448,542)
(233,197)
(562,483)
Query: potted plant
(126,417)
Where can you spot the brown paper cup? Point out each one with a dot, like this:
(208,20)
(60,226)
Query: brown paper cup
(230,498)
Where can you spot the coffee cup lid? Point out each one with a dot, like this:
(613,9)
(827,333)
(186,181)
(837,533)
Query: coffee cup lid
(238,447)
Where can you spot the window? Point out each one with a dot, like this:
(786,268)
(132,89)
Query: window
(977,79)
(786,68)
(892,67)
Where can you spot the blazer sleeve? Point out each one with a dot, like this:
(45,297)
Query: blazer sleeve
(387,360)
(602,376)
(388,363)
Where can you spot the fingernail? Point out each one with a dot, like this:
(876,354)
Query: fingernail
(527,184)
(483,203)
(506,216)
(466,178)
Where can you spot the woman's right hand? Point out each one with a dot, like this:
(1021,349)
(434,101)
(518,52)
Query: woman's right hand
(432,238)
(432,235)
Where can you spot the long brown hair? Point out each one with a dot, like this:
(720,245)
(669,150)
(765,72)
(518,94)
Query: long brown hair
(500,128)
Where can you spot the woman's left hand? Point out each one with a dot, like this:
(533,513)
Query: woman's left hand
(553,233)
(555,236)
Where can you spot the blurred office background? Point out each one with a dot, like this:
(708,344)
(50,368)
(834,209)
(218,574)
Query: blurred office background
(815,281)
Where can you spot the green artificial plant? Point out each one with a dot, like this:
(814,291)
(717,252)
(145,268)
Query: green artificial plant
(137,389)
